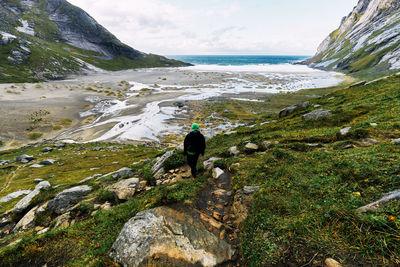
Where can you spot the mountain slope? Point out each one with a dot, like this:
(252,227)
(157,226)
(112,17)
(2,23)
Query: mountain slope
(49,39)
(367,41)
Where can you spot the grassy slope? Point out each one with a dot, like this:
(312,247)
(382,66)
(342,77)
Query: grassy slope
(305,207)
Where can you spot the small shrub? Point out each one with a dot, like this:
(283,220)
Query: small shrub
(175,161)
(66,122)
(104,196)
(34,135)
(57,127)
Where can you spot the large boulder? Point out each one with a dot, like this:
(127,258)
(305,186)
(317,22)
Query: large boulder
(24,158)
(68,198)
(124,189)
(290,110)
(27,221)
(14,195)
(163,236)
(26,201)
(317,114)
(122,173)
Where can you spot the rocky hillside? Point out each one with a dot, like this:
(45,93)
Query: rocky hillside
(48,39)
(367,41)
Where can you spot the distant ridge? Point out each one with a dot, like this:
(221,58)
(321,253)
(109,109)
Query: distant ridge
(49,39)
(366,43)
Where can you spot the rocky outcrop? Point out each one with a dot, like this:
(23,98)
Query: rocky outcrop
(14,195)
(164,236)
(367,39)
(124,189)
(24,203)
(68,198)
(317,114)
(158,169)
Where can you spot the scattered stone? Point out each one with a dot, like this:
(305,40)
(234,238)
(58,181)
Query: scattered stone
(124,189)
(63,221)
(36,181)
(331,98)
(217,216)
(234,151)
(345,131)
(217,172)
(396,141)
(234,167)
(47,149)
(287,111)
(36,166)
(106,206)
(266,144)
(317,114)
(24,158)
(250,147)
(160,161)
(317,106)
(98,149)
(169,237)
(369,141)
(348,147)
(45,230)
(90,178)
(14,195)
(68,198)
(158,182)
(329,262)
(251,189)
(122,173)
(141,186)
(209,164)
(5,162)
(47,162)
(373,124)
(395,195)
(59,145)
(314,145)
(26,201)
(27,221)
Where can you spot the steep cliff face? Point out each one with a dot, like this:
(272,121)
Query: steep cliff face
(49,39)
(368,39)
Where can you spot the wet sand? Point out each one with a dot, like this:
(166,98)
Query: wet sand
(135,105)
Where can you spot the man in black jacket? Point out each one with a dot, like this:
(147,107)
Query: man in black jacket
(194,145)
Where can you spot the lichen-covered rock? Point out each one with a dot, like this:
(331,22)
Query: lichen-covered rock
(317,114)
(26,201)
(165,235)
(124,189)
(68,198)
(27,221)
(250,147)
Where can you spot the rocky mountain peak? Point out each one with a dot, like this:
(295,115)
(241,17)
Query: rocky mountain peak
(368,38)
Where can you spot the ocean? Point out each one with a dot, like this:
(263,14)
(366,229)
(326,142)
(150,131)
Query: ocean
(226,60)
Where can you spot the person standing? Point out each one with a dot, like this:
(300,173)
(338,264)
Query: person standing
(194,145)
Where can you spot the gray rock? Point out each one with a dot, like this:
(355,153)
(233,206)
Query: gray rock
(304,104)
(392,196)
(47,162)
(68,198)
(36,181)
(124,189)
(251,189)
(234,151)
(369,141)
(47,149)
(90,178)
(59,145)
(345,131)
(217,172)
(36,166)
(24,158)
(396,141)
(122,173)
(63,221)
(14,195)
(175,235)
(209,164)
(27,221)
(160,161)
(317,106)
(317,114)
(5,162)
(287,111)
(250,147)
(26,201)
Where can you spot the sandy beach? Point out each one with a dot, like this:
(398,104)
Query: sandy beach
(143,105)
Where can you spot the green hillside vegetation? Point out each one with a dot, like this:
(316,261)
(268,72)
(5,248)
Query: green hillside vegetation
(304,212)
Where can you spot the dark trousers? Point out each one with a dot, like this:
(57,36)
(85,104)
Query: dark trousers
(192,161)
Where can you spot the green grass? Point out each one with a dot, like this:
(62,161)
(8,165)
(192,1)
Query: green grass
(34,135)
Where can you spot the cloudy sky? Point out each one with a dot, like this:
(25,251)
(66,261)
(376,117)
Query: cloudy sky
(262,27)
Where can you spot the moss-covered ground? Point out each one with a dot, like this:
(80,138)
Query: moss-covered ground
(312,181)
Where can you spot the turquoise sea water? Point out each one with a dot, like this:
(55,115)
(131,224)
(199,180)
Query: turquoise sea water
(226,60)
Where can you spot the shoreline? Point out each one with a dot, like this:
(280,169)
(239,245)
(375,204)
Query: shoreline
(122,96)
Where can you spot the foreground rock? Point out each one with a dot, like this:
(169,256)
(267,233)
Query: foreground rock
(395,195)
(163,236)
(68,198)
(158,169)
(217,172)
(27,221)
(26,201)
(317,114)
(14,195)
(124,189)
(209,164)
(122,173)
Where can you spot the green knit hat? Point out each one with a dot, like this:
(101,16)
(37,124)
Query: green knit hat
(195,126)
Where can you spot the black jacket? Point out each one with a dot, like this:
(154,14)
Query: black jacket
(195,142)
